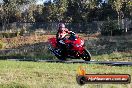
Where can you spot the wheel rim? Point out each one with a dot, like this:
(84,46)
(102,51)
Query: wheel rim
(86,55)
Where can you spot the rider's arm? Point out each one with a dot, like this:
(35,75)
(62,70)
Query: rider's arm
(69,32)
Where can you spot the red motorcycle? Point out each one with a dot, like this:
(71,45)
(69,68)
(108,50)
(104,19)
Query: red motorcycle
(74,48)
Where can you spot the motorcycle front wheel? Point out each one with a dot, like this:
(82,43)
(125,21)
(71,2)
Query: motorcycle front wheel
(86,55)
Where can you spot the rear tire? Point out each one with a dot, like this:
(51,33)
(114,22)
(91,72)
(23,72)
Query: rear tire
(86,55)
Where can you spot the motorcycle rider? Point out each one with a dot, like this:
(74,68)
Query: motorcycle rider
(60,36)
(62,32)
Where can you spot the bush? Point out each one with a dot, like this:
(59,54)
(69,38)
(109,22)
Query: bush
(9,35)
(21,32)
(2,45)
(110,28)
(12,34)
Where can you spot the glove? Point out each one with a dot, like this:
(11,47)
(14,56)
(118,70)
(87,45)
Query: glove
(71,32)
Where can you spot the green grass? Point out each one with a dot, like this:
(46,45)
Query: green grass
(15,74)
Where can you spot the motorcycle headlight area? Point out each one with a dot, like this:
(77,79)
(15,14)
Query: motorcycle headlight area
(82,42)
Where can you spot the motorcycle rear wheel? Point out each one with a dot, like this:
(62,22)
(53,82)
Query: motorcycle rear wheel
(86,55)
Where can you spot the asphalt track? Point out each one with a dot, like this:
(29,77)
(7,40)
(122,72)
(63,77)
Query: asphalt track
(112,63)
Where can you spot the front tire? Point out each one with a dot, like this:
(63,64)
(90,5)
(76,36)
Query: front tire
(86,55)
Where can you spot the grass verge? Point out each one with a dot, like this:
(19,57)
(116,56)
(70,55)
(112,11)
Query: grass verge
(53,75)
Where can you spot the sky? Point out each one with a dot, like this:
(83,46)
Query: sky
(1,1)
(40,1)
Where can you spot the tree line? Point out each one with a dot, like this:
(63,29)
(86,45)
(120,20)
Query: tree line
(71,11)
(65,10)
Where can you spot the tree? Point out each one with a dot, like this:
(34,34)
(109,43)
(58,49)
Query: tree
(12,11)
(117,5)
(61,9)
(110,27)
(106,11)
(49,12)
(38,13)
